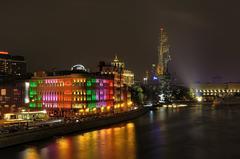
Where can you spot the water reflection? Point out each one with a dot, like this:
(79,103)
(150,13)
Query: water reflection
(192,132)
(116,142)
(30,153)
(64,148)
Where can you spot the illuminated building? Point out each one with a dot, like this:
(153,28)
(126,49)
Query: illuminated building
(78,67)
(210,91)
(75,90)
(146,78)
(127,75)
(11,96)
(160,69)
(12,65)
(117,63)
(163,54)
(151,77)
(123,79)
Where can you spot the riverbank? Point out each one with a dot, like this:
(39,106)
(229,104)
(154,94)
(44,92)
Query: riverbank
(12,139)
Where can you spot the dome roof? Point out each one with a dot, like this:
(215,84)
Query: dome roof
(78,67)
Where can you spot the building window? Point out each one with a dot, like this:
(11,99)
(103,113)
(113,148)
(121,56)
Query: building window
(3,92)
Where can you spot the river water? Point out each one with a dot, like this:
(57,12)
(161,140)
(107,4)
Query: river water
(192,132)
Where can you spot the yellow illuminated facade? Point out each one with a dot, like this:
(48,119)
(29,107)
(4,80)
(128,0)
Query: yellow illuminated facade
(209,92)
(123,78)
(128,77)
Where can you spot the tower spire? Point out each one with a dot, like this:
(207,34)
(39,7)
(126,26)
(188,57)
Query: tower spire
(116,58)
(163,53)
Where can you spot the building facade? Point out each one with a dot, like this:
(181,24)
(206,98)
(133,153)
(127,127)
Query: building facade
(127,75)
(123,79)
(11,96)
(209,91)
(81,92)
(77,91)
(12,65)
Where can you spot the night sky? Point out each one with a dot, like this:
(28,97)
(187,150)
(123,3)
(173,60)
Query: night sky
(203,34)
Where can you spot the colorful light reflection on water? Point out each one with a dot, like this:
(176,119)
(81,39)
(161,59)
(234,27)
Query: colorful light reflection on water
(116,142)
(193,132)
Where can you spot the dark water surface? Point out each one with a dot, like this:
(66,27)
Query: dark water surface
(193,132)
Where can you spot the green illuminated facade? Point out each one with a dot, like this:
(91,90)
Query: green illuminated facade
(34,96)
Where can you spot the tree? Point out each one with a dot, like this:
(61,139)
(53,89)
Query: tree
(181,93)
(166,88)
(137,94)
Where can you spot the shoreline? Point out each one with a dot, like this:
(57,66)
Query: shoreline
(8,140)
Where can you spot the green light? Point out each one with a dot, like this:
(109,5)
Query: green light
(33,92)
(89,84)
(39,98)
(94,97)
(94,80)
(89,98)
(32,105)
(33,84)
(40,105)
(89,92)
(91,105)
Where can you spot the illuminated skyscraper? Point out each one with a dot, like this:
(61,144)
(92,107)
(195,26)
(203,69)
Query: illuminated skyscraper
(163,54)
(161,68)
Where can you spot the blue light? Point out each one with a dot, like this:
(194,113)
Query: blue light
(155,78)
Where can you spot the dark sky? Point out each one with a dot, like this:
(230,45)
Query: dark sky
(204,34)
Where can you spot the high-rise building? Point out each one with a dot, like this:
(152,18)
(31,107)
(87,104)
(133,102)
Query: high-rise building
(11,65)
(163,54)
(161,68)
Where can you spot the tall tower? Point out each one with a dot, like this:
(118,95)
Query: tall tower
(163,54)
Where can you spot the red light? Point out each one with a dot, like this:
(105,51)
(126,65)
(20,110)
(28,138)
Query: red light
(69,92)
(68,83)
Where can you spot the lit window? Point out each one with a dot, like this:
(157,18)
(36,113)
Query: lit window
(3,92)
